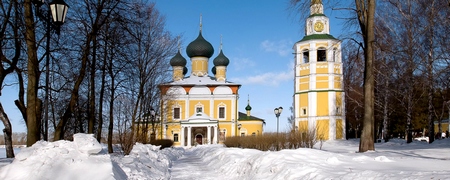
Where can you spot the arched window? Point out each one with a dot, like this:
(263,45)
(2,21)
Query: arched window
(305,56)
(321,55)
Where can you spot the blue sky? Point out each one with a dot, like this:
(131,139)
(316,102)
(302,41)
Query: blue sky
(257,37)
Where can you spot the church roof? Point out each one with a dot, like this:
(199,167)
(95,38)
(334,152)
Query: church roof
(200,47)
(317,36)
(248,107)
(178,60)
(221,60)
(199,81)
(243,117)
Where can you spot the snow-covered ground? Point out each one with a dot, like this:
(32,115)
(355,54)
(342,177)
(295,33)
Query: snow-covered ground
(84,159)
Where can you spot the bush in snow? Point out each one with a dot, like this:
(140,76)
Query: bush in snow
(164,143)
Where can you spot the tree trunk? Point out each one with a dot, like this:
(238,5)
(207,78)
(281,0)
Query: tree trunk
(430,59)
(33,123)
(91,115)
(7,133)
(366,19)
(100,101)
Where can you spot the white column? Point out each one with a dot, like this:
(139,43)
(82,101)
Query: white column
(189,136)
(182,136)
(209,134)
(215,135)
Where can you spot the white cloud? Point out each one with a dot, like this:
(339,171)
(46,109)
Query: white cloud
(282,47)
(242,63)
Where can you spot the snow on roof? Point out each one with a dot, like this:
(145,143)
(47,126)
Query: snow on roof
(196,80)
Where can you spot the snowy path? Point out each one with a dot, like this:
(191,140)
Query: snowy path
(191,166)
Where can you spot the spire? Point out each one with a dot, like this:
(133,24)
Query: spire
(248,108)
(221,42)
(179,44)
(200,23)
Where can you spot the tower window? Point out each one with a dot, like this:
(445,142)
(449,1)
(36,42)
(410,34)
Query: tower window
(306,56)
(321,55)
(304,112)
(176,113)
(221,112)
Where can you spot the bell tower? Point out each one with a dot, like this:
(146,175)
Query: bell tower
(319,89)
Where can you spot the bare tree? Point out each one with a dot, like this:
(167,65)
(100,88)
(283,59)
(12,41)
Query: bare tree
(9,55)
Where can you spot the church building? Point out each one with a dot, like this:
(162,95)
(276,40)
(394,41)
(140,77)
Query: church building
(319,89)
(200,108)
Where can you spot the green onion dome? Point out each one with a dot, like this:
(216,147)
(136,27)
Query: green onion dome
(221,60)
(213,70)
(178,60)
(200,47)
(248,108)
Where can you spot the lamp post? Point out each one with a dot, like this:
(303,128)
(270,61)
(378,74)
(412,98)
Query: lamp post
(56,11)
(277,112)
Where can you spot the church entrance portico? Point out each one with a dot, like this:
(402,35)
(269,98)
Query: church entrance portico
(198,130)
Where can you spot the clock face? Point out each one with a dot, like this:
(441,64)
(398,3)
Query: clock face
(318,26)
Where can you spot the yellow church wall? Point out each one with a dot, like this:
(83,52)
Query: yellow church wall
(303,84)
(339,129)
(304,100)
(322,104)
(323,45)
(304,71)
(194,103)
(304,47)
(224,103)
(322,68)
(172,104)
(322,82)
(303,126)
(227,127)
(252,127)
(322,129)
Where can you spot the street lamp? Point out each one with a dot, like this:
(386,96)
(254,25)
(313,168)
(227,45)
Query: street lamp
(277,112)
(58,10)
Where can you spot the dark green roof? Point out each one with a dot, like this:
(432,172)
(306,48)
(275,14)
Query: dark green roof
(248,108)
(200,47)
(221,60)
(178,60)
(243,117)
(317,36)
